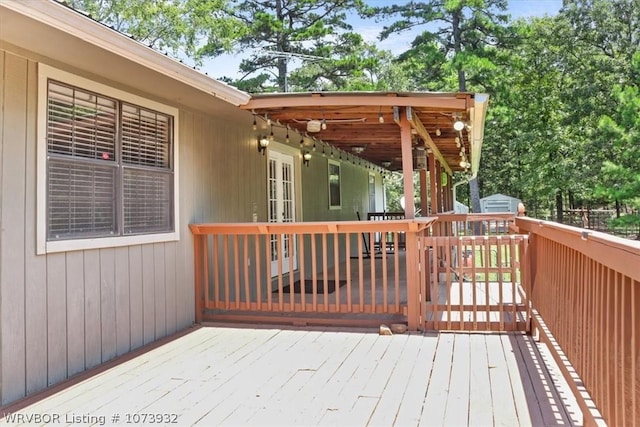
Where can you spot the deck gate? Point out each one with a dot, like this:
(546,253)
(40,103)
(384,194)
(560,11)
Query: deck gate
(474,283)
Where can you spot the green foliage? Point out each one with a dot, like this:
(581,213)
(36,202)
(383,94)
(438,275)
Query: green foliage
(179,26)
(394,191)
(620,178)
(308,31)
(458,44)
(545,131)
(362,67)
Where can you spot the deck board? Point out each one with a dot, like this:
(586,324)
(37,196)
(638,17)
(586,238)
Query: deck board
(435,403)
(480,400)
(457,413)
(504,409)
(233,375)
(412,403)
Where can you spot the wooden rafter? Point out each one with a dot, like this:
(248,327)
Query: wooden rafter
(422,132)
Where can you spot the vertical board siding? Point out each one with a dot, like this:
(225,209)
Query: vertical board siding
(107,304)
(135,296)
(170,288)
(56,318)
(354,190)
(93,337)
(160,297)
(12,210)
(122,295)
(75,313)
(36,272)
(148,295)
(184,250)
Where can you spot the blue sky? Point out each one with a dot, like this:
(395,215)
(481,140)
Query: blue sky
(227,65)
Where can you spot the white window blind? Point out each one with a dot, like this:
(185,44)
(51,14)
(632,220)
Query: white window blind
(109,166)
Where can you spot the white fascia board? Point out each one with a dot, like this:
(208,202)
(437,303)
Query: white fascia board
(477,130)
(74,23)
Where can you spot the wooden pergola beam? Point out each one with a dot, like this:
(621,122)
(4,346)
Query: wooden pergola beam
(422,132)
(447,103)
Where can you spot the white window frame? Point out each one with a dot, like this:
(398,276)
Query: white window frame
(43,246)
(329,164)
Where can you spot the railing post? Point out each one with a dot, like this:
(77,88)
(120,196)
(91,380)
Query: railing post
(414,303)
(198,240)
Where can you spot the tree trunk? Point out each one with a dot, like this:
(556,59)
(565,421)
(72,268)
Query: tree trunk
(457,47)
(617,208)
(572,204)
(559,206)
(281,47)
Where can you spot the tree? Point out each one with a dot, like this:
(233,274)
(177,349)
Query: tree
(459,39)
(601,38)
(528,150)
(281,31)
(621,179)
(192,29)
(360,67)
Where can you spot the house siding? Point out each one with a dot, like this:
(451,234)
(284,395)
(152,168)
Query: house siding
(354,189)
(63,313)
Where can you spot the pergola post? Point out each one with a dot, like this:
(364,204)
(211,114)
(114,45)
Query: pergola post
(432,182)
(439,186)
(407,165)
(414,295)
(424,198)
(447,194)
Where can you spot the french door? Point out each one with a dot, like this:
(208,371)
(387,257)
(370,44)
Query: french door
(281,195)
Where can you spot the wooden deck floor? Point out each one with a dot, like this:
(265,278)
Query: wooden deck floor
(232,375)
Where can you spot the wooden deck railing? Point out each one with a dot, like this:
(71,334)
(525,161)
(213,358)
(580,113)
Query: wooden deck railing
(311,269)
(579,290)
(481,224)
(586,306)
(476,281)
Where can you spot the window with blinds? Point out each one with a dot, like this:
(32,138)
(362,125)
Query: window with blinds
(109,166)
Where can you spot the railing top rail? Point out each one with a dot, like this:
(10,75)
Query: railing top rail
(448,217)
(622,255)
(401,225)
